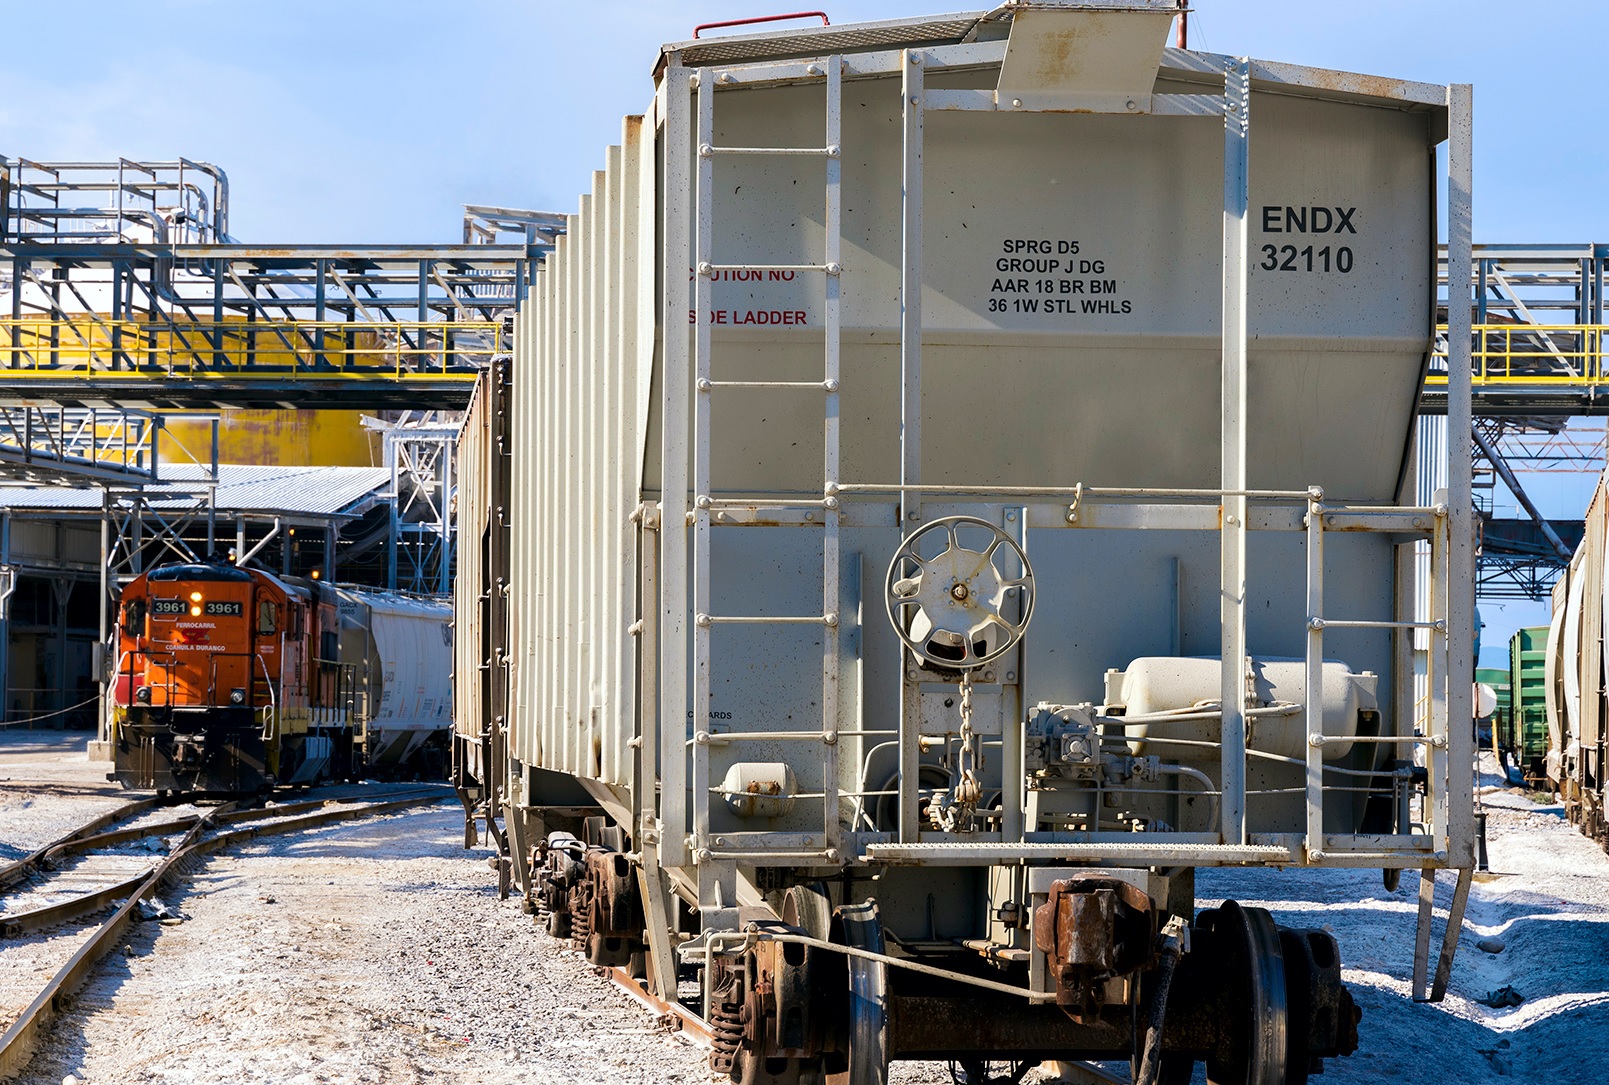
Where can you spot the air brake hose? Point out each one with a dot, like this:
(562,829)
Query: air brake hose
(1173,943)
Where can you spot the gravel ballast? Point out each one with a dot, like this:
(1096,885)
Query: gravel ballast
(377,951)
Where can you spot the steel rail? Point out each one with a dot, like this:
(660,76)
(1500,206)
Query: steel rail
(14,872)
(15,924)
(18,1042)
(17,1045)
(687,1021)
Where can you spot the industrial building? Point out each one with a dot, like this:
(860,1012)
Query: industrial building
(294,407)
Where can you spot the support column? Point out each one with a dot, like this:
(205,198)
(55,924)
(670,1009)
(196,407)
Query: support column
(678,249)
(99,655)
(212,497)
(445,583)
(910,366)
(6,589)
(1232,440)
(1461,546)
(910,289)
(394,521)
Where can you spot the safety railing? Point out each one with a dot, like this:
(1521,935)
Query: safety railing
(93,346)
(336,689)
(84,440)
(1562,355)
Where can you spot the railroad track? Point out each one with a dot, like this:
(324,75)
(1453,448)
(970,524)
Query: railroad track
(203,832)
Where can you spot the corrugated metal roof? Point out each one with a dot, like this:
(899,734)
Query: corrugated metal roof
(314,491)
(296,491)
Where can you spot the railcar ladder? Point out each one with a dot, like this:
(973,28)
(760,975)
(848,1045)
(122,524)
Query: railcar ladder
(761,845)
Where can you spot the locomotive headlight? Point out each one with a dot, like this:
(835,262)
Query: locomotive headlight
(195,612)
(195,597)
(237,696)
(143,695)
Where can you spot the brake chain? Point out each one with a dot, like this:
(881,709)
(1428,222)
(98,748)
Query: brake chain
(958,813)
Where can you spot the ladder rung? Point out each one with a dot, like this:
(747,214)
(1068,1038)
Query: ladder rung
(716,738)
(828,152)
(766,619)
(762,506)
(707,268)
(763,853)
(1336,623)
(827,386)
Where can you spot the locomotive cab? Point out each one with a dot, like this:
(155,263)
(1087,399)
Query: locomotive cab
(220,686)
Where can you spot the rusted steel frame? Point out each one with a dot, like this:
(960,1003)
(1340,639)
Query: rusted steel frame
(984,1025)
(16,1045)
(12,873)
(690,1023)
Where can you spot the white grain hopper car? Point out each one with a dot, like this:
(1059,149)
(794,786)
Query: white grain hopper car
(955,479)
(1577,709)
(399,650)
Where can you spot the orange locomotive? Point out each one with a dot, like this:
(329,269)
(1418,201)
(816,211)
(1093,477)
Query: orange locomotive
(226,681)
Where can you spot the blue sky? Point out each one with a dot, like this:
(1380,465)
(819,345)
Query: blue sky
(361,121)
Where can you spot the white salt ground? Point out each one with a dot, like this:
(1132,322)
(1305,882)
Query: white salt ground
(1547,901)
(48,786)
(378,952)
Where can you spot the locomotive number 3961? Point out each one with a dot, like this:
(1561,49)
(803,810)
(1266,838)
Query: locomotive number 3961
(231,609)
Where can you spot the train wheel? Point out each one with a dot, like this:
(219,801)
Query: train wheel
(1258,1053)
(558,924)
(863,1055)
(784,999)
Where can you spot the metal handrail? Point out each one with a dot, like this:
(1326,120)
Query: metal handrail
(271,717)
(346,675)
(1531,354)
(754,19)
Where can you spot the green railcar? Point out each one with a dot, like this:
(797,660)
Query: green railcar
(1498,679)
(1524,734)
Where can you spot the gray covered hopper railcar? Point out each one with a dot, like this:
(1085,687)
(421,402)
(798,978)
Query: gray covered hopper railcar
(399,650)
(1577,707)
(955,479)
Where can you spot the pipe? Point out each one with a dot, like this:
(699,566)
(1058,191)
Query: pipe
(1501,466)
(1175,943)
(1206,783)
(701,27)
(1196,714)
